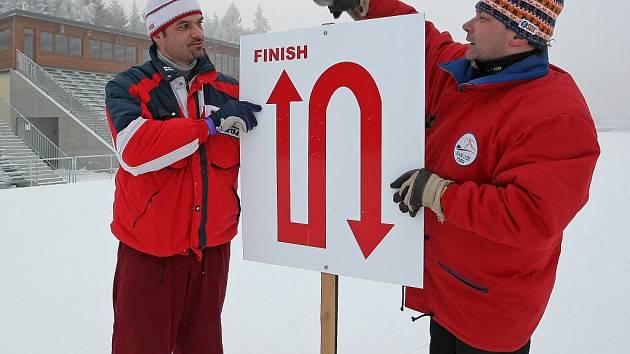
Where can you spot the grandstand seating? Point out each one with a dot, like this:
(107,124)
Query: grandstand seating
(20,166)
(88,87)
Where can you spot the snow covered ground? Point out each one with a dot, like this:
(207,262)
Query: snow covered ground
(59,256)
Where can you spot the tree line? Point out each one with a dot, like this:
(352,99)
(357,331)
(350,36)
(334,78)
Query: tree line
(229,27)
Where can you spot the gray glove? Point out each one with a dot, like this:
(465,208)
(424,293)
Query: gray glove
(420,188)
(355,8)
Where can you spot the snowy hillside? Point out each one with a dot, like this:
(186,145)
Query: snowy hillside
(59,256)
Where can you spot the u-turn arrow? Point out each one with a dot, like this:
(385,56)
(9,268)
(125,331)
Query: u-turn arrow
(369,231)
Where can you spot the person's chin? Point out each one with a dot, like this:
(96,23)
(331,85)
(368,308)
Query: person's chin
(198,53)
(470,56)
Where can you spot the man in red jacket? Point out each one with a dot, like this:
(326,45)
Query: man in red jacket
(510,152)
(176,124)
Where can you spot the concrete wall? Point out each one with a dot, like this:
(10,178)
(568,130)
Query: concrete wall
(73,138)
(5,95)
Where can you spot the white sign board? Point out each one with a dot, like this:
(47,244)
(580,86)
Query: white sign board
(343,116)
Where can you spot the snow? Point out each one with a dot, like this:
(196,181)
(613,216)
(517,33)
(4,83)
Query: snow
(59,258)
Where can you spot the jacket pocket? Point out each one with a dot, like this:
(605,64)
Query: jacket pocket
(471,284)
(144,211)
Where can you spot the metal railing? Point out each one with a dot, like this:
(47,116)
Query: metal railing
(94,167)
(45,81)
(30,135)
(61,170)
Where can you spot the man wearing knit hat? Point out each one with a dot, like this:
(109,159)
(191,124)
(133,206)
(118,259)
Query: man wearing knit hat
(510,152)
(176,124)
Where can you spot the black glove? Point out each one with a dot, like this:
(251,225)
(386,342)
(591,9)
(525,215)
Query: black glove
(233,114)
(337,7)
(419,188)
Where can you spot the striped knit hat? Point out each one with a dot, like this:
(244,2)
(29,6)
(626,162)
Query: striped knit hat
(533,20)
(159,14)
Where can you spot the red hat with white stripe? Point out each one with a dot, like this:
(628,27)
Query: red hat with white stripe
(159,14)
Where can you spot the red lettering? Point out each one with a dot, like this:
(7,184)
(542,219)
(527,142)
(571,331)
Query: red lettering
(281,53)
(290,53)
(302,51)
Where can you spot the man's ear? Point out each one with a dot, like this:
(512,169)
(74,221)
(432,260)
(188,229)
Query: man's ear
(159,38)
(519,42)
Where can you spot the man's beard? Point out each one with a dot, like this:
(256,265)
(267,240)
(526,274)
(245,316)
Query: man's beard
(198,53)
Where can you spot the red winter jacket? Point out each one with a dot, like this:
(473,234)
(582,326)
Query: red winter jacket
(521,148)
(176,189)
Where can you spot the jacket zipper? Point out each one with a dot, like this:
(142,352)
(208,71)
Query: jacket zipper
(462,279)
(203,238)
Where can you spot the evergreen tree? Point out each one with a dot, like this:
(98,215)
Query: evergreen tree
(230,28)
(36,5)
(211,26)
(136,24)
(51,7)
(101,14)
(86,11)
(68,9)
(261,24)
(8,5)
(117,16)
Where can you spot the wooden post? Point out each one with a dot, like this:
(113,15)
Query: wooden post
(328,314)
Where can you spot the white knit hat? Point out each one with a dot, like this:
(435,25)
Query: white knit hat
(159,14)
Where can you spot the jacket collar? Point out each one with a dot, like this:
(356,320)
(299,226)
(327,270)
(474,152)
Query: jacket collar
(204,65)
(530,68)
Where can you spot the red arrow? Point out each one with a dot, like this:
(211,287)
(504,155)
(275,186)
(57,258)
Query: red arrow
(282,95)
(369,231)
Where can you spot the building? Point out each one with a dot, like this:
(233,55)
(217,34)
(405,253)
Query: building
(52,77)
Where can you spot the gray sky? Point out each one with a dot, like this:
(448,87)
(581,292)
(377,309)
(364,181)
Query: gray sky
(589,43)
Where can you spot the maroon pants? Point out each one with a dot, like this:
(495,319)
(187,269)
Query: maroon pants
(169,304)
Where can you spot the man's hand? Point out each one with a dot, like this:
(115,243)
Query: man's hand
(419,188)
(356,8)
(233,114)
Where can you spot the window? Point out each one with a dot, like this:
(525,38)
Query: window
(61,44)
(211,56)
(225,63)
(131,55)
(46,41)
(233,61)
(95,49)
(106,50)
(5,38)
(145,55)
(119,52)
(29,42)
(76,46)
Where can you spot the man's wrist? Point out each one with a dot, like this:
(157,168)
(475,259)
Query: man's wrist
(212,129)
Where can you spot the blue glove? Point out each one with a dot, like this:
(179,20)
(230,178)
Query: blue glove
(233,114)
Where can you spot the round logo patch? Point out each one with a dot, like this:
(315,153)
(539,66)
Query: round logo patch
(465,150)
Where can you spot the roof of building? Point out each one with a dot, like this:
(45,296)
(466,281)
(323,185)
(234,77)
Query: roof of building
(89,26)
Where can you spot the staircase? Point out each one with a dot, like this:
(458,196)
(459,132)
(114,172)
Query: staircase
(93,120)
(20,166)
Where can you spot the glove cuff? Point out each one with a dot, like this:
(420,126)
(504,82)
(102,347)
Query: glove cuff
(431,197)
(212,127)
